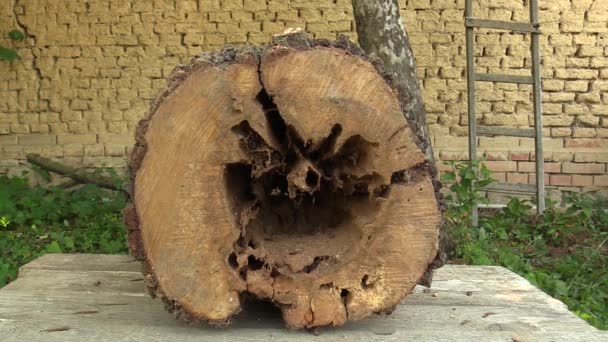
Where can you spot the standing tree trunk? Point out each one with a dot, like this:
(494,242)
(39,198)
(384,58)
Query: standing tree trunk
(381,32)
(288,173)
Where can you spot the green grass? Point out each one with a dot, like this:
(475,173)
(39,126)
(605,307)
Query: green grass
(39,220)
(564,252)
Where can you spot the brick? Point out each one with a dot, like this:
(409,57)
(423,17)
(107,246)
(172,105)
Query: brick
(559,97)
(531,167)
(20,128)
(557,120)
(499,142)
(58,127)
(582,132)
(36,139)
(73,150)
(8,140)
(83,139)
(562,156)
(573,73)
(578,86)
(553,85)
(273,27)
(114,150)
(253,5)
(39,128)
(586,143)
(601,132)
(499,176)
(600,180)
(518,178)
(583,168)
(557,132)
(590,97)
(501,166)
(574,109)
(582,180)
(588,120)
(519,156)
(500,155)
(227,5)
(590,51)
(451,142)
(95,150)
(560,180)
(453,155)
(124,139)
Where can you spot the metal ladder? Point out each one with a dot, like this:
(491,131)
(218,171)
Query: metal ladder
(531,27)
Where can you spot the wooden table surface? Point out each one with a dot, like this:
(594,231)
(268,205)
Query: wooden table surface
(80,297)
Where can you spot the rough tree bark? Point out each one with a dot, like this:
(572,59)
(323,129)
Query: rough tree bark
(381,32)
(288,173)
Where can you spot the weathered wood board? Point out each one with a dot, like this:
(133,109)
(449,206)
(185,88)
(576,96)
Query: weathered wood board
(61,297)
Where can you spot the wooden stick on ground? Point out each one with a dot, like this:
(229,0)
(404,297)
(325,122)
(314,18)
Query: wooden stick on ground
(77,175)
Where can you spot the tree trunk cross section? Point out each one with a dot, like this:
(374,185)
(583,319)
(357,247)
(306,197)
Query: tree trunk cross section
(288,174)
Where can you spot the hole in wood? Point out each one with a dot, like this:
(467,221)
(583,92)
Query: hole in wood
(297,194)
(366,283)
(232,261)
(312,178)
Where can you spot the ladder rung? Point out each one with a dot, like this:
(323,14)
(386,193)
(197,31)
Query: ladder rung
(497,206)
(511,188)
(505,131)
(516,26)
(504,78)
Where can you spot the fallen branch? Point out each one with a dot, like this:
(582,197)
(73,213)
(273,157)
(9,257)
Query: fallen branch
(77,175)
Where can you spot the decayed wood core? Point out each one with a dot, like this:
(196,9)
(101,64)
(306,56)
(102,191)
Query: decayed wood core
(288,174)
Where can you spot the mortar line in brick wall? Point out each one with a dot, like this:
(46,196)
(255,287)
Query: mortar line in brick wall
(25,30)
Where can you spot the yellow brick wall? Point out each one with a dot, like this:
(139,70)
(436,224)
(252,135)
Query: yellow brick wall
(89,68)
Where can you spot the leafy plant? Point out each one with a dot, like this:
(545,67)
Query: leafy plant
(16,35)
(39,220)
(467,180)
(564,252)
(9,54)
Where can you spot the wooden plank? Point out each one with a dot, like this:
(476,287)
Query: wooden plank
(417,319)
(59,300)
(511,188)
(505,131)
(89,330)
(538,112)
(472,118)
(504,78)
(83,262)
(515,26)
(452,292)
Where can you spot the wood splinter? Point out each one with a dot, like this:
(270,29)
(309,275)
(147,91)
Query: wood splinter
(278,173)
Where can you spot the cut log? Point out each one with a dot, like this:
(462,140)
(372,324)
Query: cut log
(288,174)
